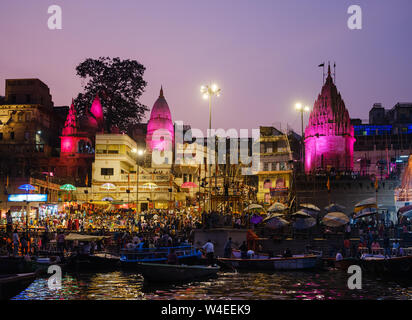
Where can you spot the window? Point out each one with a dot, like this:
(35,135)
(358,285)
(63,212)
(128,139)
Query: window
(107,171)
(20,117)
(26,135)
(266,166)
(12,135)
(1,135)
(28,116)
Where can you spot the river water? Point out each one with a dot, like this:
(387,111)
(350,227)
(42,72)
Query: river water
(324,285)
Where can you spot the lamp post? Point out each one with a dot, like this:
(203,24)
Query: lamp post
(207,93)
(302,109)
(139,153)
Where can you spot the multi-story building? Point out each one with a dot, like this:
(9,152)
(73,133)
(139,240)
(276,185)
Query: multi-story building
(276,169)
(383,145)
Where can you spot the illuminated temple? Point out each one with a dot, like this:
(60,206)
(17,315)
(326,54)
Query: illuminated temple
(329,135)
(160,130)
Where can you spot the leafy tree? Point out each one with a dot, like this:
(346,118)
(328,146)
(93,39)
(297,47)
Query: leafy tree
(119,84)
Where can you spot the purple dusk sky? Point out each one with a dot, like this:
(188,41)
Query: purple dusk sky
(264,54)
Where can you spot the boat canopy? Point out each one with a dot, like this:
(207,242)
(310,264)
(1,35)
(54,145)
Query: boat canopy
(84,237)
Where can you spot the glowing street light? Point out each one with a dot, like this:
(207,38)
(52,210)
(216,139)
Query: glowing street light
(207,93)
(300,108)
(139,153)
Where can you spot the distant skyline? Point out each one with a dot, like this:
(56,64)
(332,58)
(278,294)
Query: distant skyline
(263,54)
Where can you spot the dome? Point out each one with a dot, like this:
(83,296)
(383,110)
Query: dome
(161,122)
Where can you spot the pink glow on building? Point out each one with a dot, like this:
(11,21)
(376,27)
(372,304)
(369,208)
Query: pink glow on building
(329,135)
(160,130)
(97,111)
(68,144)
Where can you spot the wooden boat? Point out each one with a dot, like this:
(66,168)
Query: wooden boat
(161,272)
(378,264)
(12,284)
(185,254)
(14,265)
(92,262)
(345,263)
(265,262)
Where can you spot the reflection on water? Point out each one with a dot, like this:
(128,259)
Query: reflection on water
(327,285)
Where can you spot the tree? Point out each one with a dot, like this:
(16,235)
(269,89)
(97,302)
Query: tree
(119,84)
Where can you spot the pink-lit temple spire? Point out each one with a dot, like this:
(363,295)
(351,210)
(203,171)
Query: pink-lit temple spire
(160,130)
(329,135)
(70,126)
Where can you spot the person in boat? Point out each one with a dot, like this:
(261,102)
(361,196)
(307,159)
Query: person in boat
(172,257)
(375,247)
(386,246)
(250,254)
(228,248)
(243,250)
(396,246)
(287,253)
(210,251)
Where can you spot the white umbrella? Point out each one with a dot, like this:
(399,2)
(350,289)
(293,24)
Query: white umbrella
(108,186)
(335,219)
(301,214)
(304,223)
(276,223)
(310,207)
(277,207)
(253,206)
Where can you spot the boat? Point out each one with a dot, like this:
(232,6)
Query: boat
(345,263)
(186,254)
(378,264)
(15,265)
(265,262)
(92,262)
(166,273)
(12,284)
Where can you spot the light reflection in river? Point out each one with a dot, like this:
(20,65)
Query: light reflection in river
(328,285)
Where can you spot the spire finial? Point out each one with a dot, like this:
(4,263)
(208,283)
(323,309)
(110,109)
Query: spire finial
(329,68)
(161,92)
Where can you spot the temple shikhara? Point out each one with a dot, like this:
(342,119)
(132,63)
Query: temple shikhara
(160,129)
(329,135)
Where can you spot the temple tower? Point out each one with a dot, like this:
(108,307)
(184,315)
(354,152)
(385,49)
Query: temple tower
(329,135)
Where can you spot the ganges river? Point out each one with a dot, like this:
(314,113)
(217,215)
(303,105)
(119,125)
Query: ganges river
(324,285)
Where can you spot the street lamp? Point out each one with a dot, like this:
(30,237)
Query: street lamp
(300,108)
(139,153)
(207,93)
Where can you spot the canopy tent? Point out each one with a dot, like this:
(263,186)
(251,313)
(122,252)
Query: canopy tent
(335,219)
